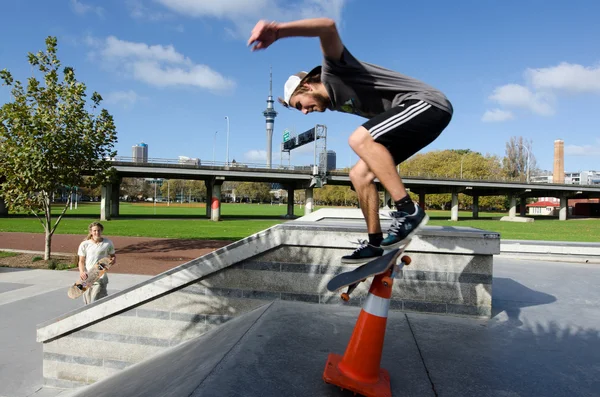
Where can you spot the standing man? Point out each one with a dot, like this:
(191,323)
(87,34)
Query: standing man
(404,115)
(90,251)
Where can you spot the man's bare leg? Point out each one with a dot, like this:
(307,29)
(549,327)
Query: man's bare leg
(368,197)
(362,180)
(379,161)
(409,217)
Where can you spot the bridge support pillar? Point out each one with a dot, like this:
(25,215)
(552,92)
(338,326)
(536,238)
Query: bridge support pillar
(114,199)
(208,198)
(475,207)
(215,200)
(563,212)
(106,194)
(422,199)
(523,206)
(512,211)
(454,209)
(308,207)
(290,202)
(3,208)
(387,198)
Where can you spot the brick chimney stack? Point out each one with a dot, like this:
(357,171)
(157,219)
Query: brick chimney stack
(558,174)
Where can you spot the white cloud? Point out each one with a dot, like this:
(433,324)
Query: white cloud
(255,156)
(583,150)
(138,10)
(544,86)
(497,115)
(82,8)
(115,48)
(515,95)
(218,9)
(157,65)
(124,98)
(245,13)
(566,77)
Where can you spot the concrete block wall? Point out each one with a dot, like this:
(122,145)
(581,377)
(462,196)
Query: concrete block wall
(451,274)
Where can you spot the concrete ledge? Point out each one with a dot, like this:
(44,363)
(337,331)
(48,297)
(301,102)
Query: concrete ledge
(552,250)
(521,219)
(159,285)
(451,274)
(454,240)
(550,247)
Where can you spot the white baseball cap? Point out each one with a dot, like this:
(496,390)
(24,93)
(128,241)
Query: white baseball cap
(291,84)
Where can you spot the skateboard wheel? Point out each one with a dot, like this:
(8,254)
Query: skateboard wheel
(387,281)
(345,297)
(406,260)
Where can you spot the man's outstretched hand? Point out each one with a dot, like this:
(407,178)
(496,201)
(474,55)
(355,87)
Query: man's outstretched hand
(263,35)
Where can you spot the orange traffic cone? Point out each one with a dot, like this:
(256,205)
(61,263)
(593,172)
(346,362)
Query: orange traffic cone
(358,370)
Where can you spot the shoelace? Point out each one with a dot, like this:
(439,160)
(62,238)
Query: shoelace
(362,244)
(399,218)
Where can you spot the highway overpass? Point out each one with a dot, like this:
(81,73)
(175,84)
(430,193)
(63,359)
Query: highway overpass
(294,177)
(214,174)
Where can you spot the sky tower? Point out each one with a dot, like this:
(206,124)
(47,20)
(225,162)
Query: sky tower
(270,115)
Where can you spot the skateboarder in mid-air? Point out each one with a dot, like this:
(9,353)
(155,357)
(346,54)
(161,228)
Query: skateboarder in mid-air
(404,115)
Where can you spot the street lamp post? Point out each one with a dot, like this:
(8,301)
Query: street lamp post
(461,165)
(214,144)
(227,160)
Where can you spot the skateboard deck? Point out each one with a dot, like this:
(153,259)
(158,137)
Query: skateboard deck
(374,267)
(101,267)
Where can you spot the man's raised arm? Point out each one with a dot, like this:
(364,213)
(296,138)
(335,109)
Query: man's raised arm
(266,33)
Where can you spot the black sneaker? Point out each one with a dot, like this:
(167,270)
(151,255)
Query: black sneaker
(404,226)
(364,253)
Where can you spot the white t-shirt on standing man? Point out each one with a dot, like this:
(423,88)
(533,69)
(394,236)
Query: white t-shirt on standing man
(93,251)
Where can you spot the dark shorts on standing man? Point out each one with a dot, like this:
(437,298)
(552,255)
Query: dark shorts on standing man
(407,128)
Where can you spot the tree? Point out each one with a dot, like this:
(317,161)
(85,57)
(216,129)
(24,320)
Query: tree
(135,188)
(49,137)
(258,191)
(515,162)
(194,190)
(335,195)
(452,163)
(89,189)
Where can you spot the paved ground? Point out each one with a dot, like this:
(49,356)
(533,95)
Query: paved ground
(135,255)
(27,298)
(543,339)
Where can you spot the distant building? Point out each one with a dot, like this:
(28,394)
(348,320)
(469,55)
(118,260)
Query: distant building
(545,207)
(590,178)
(331,160)
(189,160)
(583,178)
(140,153)
(572,178)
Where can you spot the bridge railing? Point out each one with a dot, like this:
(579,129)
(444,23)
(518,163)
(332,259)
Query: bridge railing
(303,169)
(194,163)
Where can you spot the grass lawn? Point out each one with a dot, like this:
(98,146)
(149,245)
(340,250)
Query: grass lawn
(242,220)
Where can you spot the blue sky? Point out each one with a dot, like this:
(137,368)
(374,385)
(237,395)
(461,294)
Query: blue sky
(170,71)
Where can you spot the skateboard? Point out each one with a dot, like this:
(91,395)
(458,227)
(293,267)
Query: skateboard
(388,261)
(101,267)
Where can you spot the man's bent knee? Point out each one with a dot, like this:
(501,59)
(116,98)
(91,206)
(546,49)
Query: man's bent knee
(359,139)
